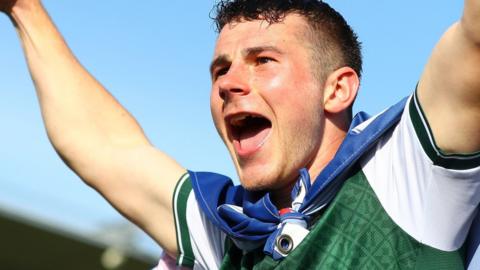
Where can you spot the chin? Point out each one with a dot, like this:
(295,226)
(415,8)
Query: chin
(255,186)
(255,182)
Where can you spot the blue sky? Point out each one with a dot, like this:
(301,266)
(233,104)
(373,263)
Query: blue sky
(153,57)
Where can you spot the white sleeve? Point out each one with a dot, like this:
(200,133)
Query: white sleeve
(431,195)
(200,243)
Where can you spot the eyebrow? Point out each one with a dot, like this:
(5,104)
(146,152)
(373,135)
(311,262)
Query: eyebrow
(223,59)
(259,49)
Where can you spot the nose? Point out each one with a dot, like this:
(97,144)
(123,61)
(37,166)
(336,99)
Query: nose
(234,83)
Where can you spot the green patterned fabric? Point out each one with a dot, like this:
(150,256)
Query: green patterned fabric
(354,232)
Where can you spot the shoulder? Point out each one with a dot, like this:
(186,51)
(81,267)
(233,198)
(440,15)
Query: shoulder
(421,188)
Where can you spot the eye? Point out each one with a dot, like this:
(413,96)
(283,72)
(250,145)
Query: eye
(220,72)
(264,60)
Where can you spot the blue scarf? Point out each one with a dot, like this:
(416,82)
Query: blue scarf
(251,219)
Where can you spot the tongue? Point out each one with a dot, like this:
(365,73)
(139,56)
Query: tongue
(251,139)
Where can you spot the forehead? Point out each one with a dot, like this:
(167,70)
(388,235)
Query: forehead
(244,34)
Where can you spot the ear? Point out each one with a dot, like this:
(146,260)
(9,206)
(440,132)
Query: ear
(340,90)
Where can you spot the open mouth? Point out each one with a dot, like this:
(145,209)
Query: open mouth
(249,132)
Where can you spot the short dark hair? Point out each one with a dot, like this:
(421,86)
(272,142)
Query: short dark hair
(335,44)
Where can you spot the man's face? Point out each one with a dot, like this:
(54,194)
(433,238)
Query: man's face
(266,101)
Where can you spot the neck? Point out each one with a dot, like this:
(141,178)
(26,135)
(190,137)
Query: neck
(325,155)
(282,198)
(334,136)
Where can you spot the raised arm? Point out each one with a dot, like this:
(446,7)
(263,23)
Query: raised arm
(92,132)
(449,90)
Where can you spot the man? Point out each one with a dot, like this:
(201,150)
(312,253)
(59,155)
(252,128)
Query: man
(282,89)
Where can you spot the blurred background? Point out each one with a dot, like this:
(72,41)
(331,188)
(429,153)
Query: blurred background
(153,56)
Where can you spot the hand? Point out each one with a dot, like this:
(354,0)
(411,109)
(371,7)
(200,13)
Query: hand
(7,6)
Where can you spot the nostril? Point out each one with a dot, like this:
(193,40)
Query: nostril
(237,90)
(222,94)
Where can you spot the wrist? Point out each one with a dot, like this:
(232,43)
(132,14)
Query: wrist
(24,10)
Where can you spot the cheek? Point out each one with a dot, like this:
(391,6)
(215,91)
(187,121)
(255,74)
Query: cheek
(304,115)
(293,87)
(271,78)
(216,111)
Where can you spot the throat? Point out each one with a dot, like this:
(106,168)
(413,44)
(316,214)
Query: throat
(282,198)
